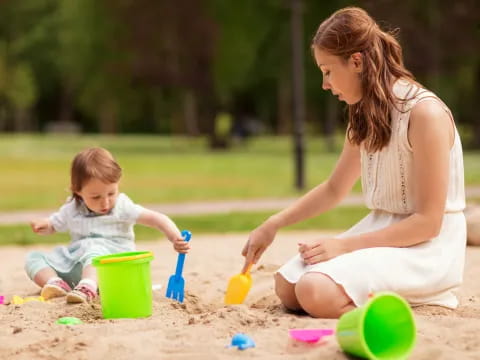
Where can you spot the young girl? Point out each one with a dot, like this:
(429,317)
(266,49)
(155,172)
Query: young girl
(403,142)
(100,221)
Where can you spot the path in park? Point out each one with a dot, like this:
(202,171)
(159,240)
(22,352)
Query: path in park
(206,207)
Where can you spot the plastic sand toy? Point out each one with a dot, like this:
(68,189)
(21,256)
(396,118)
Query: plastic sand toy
(382,329)
(68,320)
(176,282)
(17,300)
(121,274)
(309,335)
(238,287)
(242,341)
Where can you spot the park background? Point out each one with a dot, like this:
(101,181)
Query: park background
(201,100)
(206,104)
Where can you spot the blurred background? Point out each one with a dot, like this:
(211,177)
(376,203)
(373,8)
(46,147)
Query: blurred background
(202,100)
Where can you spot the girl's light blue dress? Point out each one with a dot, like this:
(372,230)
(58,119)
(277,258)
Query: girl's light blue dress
(92,235)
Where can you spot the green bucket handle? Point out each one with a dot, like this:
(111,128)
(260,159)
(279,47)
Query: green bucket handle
(125,258)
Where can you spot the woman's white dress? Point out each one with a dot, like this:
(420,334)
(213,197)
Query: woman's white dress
(423,274)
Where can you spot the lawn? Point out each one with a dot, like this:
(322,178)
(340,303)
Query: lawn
(35,175)
(35,168)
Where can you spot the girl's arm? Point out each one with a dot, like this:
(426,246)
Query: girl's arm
(163,223)
(326,195)
(42,226)
(431,135)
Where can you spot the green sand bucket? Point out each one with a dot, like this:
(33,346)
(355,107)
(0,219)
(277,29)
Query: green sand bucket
(125,284)
(384,328)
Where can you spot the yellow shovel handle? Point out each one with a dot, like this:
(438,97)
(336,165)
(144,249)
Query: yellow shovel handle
(125,258)
(248,269)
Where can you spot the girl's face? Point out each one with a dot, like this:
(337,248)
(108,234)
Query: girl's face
(99,196)
(341,77)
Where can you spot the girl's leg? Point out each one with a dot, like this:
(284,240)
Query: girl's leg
(89,272)
(321,297)
(45,276)
(86,290)
(286,292)
(52,285)
(42,277)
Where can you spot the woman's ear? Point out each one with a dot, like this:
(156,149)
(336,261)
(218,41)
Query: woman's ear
(357,61)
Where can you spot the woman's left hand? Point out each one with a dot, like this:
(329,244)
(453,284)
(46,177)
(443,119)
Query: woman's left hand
(321,250)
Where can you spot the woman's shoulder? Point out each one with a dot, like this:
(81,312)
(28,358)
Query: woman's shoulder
(429,121)
(407,90)
(412,95)
(429,111)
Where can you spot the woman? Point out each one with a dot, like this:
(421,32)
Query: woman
(401,139)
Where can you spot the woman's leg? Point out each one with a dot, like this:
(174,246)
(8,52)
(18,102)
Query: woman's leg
(321,297)
(286,292)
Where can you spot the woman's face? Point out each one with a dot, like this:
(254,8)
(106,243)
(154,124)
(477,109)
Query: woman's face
(99,196)
(341,77)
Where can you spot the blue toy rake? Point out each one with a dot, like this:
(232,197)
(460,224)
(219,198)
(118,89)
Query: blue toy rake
(176,283)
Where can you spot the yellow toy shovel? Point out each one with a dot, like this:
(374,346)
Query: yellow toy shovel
(238,287)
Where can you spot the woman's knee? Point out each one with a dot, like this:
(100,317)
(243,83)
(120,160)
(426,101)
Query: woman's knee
(286,292)
(321,297)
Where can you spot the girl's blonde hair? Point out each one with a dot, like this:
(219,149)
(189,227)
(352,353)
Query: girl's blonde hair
(93,163)
(352,30)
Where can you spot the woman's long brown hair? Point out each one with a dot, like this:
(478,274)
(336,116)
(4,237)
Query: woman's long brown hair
(352,30)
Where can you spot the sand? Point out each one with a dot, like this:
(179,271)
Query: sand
(202,327)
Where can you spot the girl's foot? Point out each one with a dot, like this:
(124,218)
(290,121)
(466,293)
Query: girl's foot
(55,287)
(83,292)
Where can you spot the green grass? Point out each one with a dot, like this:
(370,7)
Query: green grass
(35,168)
(340,218)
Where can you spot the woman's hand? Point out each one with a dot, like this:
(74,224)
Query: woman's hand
(258,241)
(321,250)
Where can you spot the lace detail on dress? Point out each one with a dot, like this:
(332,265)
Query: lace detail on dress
(369,170)
(370,176)
(401,165)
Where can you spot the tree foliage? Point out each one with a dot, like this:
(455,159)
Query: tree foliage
(169,66)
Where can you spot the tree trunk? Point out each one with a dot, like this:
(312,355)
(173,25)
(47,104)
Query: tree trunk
(190,113)
(298,92)
(108,117)
(474,112)
(66,106)
(284,106)
(21,120)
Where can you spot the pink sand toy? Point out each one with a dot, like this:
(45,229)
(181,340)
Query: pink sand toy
(309,335)
(2,299)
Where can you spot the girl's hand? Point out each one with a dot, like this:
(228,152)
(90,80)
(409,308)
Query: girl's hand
(42,227)
(179,244)
(258,241)
(321,250)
